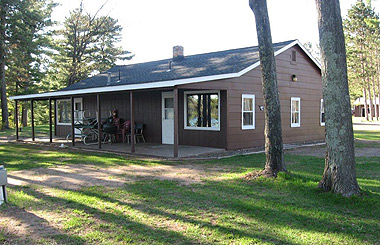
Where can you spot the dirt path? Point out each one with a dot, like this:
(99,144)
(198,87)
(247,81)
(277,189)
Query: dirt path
(25,226)
(78,175)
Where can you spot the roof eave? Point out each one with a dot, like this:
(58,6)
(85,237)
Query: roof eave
(163,84)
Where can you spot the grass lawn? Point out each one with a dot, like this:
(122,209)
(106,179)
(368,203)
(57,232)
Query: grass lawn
(40,130)
(367,134)
(224,208)
(367,138)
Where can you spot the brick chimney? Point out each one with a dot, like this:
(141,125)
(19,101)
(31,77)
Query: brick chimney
(178,53)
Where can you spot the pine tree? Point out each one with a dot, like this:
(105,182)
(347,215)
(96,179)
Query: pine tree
(23,42)
(87,46)
(273,131)
(339,174)
(359,34)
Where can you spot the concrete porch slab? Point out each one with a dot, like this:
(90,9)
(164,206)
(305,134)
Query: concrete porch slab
(156,150)
(146,149)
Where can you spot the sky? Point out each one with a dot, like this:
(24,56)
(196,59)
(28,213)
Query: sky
(152,27)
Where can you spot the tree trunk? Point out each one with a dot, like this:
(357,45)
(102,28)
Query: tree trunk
(339,175)
(374,98)
(364,83)
(378,97)
(24,115)
(370,100)
(365,103)
(3,88)
(273,131)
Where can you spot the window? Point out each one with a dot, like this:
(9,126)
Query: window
(295,117)
(248,111)
(294,56)
(63,112)
(202,110)
(322,114)
(169,108)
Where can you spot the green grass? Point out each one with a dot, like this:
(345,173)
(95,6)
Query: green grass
(40,130)
(367,134)
(223,209)
(23,156)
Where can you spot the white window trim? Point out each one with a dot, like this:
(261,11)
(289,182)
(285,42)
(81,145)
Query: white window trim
(247,96)
(56,109)
(320,114)
(185,110)
(295,125)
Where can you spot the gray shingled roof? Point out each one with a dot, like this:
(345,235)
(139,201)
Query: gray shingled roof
(192,66)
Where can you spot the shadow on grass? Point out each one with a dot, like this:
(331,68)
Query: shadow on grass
(291,204)
(23,156)
(300,211)
(131,230)
(230,210)
(37,226)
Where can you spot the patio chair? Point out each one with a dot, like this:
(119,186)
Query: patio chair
(119,123)
(124,130)
(139,129)
(139,132)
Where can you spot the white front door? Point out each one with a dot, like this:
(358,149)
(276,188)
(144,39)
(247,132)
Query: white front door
(167,118)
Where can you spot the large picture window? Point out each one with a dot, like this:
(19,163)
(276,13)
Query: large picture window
(248,111)
(295,116)
(63,112)
(322,113)
(202,110)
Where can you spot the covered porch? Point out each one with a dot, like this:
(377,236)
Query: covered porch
(144,106)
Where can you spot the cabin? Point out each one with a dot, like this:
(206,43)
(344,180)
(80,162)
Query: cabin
(359,106)
(206,100)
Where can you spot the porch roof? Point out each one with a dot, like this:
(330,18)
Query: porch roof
(156,74)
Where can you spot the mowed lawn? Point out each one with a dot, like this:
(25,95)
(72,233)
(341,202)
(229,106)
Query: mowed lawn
(40,130)
(222,208)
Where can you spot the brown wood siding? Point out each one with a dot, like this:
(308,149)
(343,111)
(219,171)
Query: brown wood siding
(147,111)
(308,87)
(63,130)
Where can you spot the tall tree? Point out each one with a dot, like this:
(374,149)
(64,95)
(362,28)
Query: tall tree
(88,45)
(29,45)
(339,174)
(360,33)
(4,7)
(273,131)
(23,40)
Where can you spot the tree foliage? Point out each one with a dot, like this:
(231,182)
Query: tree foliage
(362,35)
(34,58)
(26,40)
(313,49)
(87,45)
